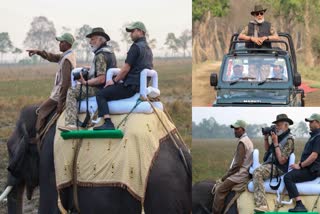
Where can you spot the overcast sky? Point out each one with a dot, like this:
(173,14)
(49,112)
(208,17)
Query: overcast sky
(226,115)
(160,17)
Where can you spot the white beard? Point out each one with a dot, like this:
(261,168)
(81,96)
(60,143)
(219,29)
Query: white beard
(259,21)
(280,132)
(93,49)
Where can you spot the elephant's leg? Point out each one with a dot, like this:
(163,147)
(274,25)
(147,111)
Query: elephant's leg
(48,192)
(15,199)
(169,186)
(104,200)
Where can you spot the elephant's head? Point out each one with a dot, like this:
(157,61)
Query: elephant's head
(23,169)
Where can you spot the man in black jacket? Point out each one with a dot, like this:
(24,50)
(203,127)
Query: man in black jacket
(308,168)
(138,58)
(259,31)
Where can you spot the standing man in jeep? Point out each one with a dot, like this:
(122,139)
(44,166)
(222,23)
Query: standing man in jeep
(104,59)
(258,30)
(138,58)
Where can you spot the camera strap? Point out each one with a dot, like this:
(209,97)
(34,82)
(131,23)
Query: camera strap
(276,187)
(87,118)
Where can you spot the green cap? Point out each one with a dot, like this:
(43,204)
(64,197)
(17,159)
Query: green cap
(313,117)
(136,25)
(239,124)
(67,37)
(237,62)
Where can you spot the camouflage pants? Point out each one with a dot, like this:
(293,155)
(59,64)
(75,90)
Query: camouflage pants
(73,96)
(259,175)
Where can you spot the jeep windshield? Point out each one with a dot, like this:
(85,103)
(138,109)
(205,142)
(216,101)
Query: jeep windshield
(260,69)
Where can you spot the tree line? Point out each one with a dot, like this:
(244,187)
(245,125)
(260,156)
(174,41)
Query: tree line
(214,22)
(210,128)
(42,33)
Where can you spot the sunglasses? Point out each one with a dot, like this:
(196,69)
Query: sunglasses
(259,13)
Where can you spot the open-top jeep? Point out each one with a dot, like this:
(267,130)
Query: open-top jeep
(259,76)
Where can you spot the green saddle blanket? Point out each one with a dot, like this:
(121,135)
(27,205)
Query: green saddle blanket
(77,134)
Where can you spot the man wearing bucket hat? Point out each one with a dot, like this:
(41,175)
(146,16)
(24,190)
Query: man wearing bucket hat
(66,61)
(278,71)
(275,159)
(308,167)
(238,173)
(259,31)
(138,58)
(104,59)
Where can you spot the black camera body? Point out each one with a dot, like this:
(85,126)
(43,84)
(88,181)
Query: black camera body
(268,130)
(84,72)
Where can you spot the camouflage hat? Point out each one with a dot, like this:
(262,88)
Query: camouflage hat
(98,31)
(283,117)
(258,8)
(136,25)
(66,37)
(239,124)
(313,117)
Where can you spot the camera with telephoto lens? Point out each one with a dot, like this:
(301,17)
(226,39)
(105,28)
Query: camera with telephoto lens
(268,130)
(84,72)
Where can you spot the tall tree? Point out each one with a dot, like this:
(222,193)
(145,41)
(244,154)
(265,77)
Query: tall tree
(184,40)
(82,42)
(16,52)
(172,43)
(5,44)
(41,34)
(217,8)
(125,36)
(114,45)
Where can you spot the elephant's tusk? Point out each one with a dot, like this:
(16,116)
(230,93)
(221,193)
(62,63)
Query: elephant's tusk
(5,193)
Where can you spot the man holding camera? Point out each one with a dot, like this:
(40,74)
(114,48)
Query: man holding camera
(66,61)
(308,168)
(275,159)
(138,58)
(238,173)
(104,59)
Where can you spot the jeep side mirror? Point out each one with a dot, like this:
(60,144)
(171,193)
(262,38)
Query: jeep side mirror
(297,79)
(214,79)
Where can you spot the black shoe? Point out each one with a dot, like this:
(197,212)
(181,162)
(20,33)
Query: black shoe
(298,208)
(108,125)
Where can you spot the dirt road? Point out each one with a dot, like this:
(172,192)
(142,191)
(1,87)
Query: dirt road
(203,95)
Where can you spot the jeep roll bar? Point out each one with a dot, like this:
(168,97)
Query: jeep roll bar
(234,40)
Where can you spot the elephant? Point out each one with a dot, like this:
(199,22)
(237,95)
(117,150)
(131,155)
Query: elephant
(168,188)
(202,198)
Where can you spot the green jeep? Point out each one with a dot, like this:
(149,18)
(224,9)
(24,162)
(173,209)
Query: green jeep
(253,76)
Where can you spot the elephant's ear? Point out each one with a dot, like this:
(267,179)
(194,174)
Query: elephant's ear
(16,164)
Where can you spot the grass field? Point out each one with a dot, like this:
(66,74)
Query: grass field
(30,84)
(25,85)
(211,158)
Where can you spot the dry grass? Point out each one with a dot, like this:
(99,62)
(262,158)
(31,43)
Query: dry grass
(212,158)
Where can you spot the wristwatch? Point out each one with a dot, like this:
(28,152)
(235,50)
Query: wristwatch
(300,165)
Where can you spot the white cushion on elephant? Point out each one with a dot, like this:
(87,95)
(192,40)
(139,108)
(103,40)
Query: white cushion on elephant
(304,188)
(122,106)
